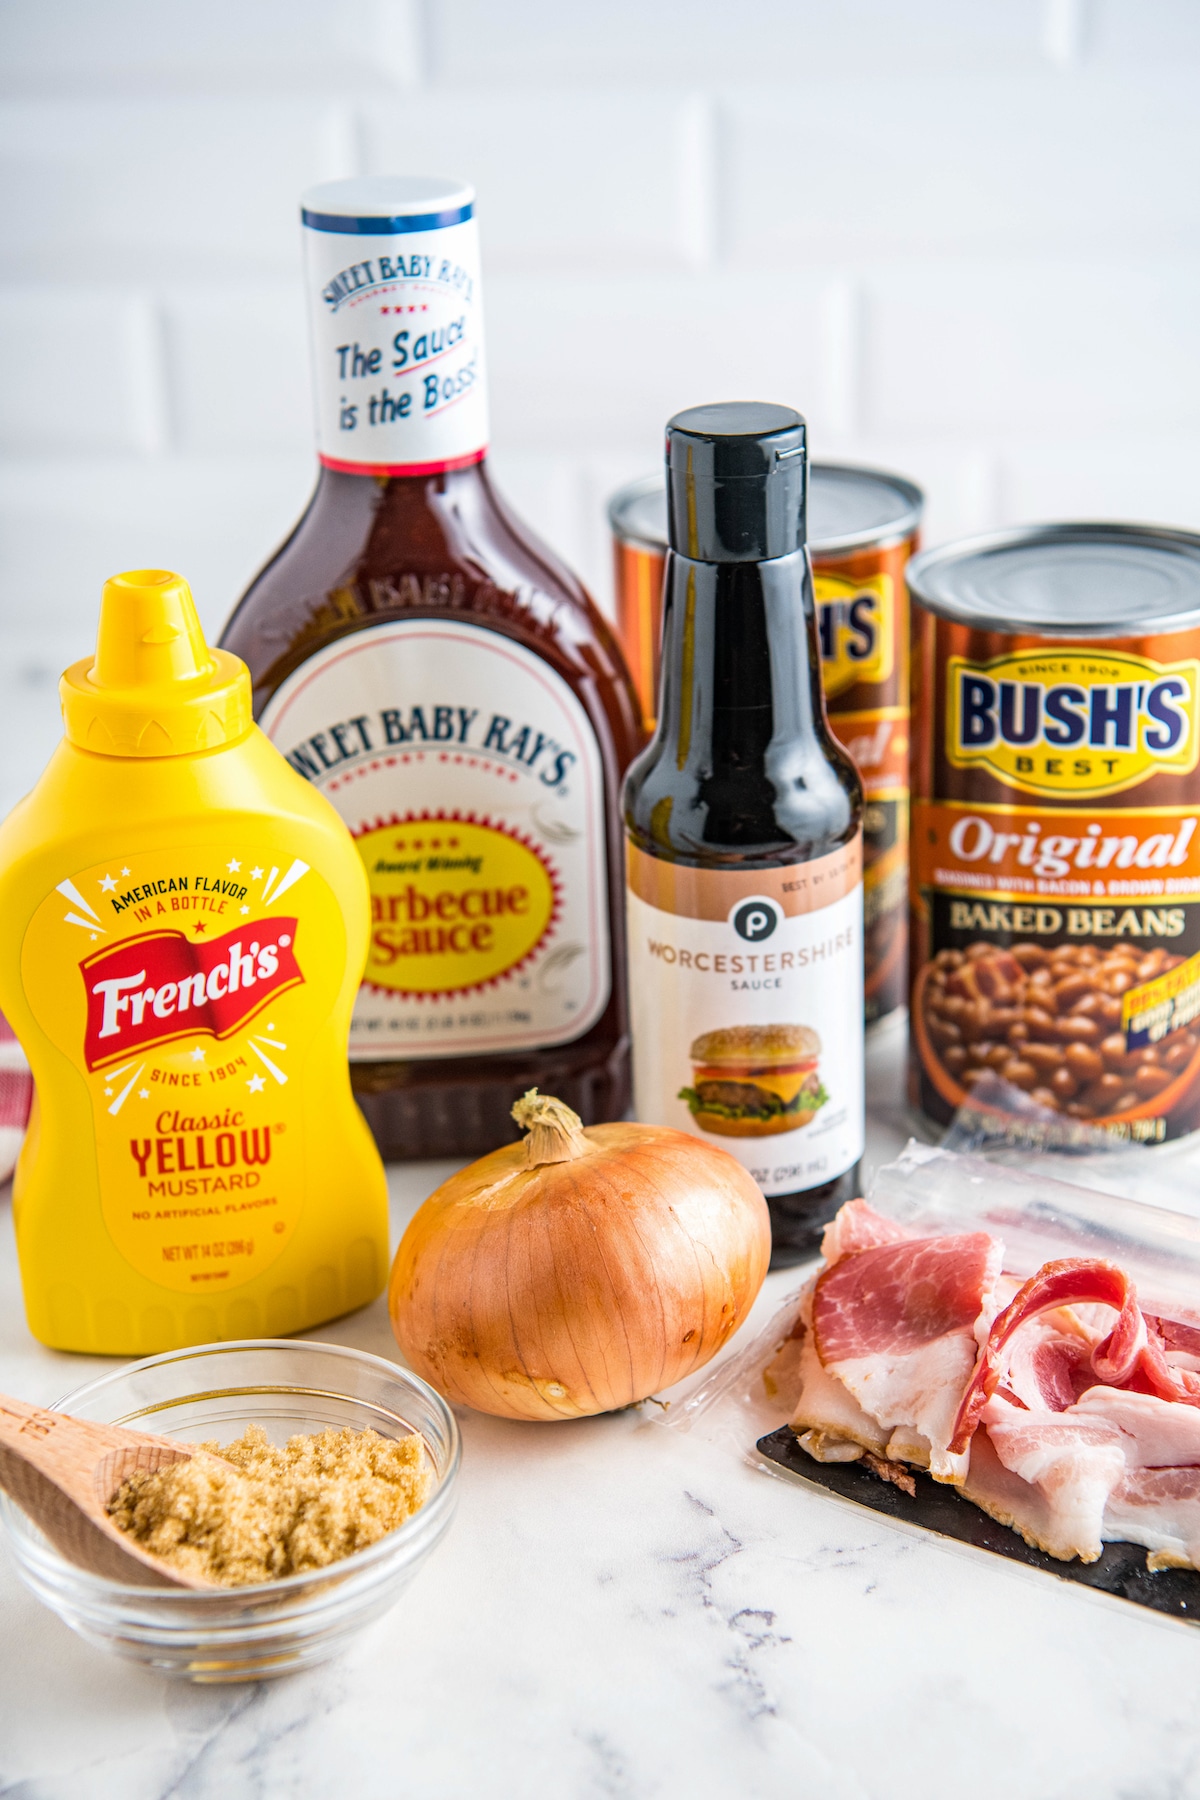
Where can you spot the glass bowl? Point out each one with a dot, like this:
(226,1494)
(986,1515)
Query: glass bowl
(249,1633)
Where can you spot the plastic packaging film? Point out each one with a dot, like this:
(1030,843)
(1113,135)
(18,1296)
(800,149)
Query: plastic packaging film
(1038,1218)
(935,1191)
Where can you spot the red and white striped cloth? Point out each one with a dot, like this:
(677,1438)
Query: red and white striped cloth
(16,1095)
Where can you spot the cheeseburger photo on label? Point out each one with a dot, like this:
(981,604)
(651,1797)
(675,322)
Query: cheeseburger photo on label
(755,1080)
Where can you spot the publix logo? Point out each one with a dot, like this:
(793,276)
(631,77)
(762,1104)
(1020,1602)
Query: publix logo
(1072,721)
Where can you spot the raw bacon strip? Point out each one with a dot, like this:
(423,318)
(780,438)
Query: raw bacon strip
(824,1405)
(1071,1433)
(1074,1464)
(1155,1433)
(899,1325)
(855,1227)
(1159,1508)
(1073,1458)
(1073,1281)
(1084,1459)
(1048,1364)
(899,1297)
(1005,1497)
(1155,1375)
(1175,1335)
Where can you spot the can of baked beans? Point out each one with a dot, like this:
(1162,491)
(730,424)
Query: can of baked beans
(863,526)
(1055,859)
(637,517)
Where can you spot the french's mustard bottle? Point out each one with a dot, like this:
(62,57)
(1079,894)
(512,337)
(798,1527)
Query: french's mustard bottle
(183,925)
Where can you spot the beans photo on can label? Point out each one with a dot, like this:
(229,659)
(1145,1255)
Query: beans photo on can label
(1055,874)
(1050,1021)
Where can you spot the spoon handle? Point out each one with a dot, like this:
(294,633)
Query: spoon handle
(57,1445)
(63,1471)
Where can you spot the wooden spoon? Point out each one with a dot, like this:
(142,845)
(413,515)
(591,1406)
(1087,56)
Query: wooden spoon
(63,1471)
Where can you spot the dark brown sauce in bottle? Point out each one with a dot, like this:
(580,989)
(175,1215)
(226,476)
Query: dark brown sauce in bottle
(743,774)
(374,550)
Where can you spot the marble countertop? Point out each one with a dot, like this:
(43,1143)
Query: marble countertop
(620,1610)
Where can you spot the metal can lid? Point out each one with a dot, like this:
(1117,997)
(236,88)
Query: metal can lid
(637,513)
(1072,580)
(849,508)
(856,508)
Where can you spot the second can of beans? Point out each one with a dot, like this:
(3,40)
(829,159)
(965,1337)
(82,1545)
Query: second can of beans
(862,531)
(1055,859)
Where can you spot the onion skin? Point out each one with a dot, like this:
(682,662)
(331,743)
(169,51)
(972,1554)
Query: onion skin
(579,1286)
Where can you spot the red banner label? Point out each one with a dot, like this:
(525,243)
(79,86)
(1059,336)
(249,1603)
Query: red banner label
(154,989)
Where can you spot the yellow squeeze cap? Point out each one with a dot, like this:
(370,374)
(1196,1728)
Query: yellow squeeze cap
(154,688)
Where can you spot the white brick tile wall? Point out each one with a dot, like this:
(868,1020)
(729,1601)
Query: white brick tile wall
(978,346)
(591,179)
(66,523)
(29,709)
(239,367)
(985,163)
(223,44)
(962,235)
(138,190)
(1142,34)
(480,43)
(1151,475)
(79,369)
(579,363)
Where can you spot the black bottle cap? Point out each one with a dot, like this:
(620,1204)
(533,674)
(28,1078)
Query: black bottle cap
(736,482)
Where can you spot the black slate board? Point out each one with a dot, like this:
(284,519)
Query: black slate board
(1121,1569)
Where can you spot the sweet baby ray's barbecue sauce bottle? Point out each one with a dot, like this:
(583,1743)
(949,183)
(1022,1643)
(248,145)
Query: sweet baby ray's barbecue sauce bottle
(744,852)
(184,925)
(433,671)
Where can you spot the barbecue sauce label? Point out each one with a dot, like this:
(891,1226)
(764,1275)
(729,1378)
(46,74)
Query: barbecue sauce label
(397,340)
(778,951)
(470,778)
(180,984)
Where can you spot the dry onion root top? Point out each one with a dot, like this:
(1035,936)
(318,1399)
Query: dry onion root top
(579,1270)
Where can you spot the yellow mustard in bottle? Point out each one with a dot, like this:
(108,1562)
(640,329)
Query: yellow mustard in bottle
(183,927)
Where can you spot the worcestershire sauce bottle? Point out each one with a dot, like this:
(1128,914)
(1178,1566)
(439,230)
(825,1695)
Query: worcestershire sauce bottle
(743,818)
(422,660)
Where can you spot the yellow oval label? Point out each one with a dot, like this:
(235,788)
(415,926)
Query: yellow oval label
(857,629)
(1072,721)
(455,904)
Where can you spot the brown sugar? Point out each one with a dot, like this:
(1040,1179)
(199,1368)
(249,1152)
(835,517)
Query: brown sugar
(263,1511)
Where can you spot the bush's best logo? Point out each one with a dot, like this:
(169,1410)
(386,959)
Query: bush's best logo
(1072,721)
(153,989)
(854,619)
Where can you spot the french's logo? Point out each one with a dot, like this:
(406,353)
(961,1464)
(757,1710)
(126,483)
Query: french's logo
(153,989)
(1072,721)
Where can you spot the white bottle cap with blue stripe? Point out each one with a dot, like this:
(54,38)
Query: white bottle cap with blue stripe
(392,271)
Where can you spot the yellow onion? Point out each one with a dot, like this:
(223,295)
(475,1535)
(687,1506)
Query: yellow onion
(578,1271)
